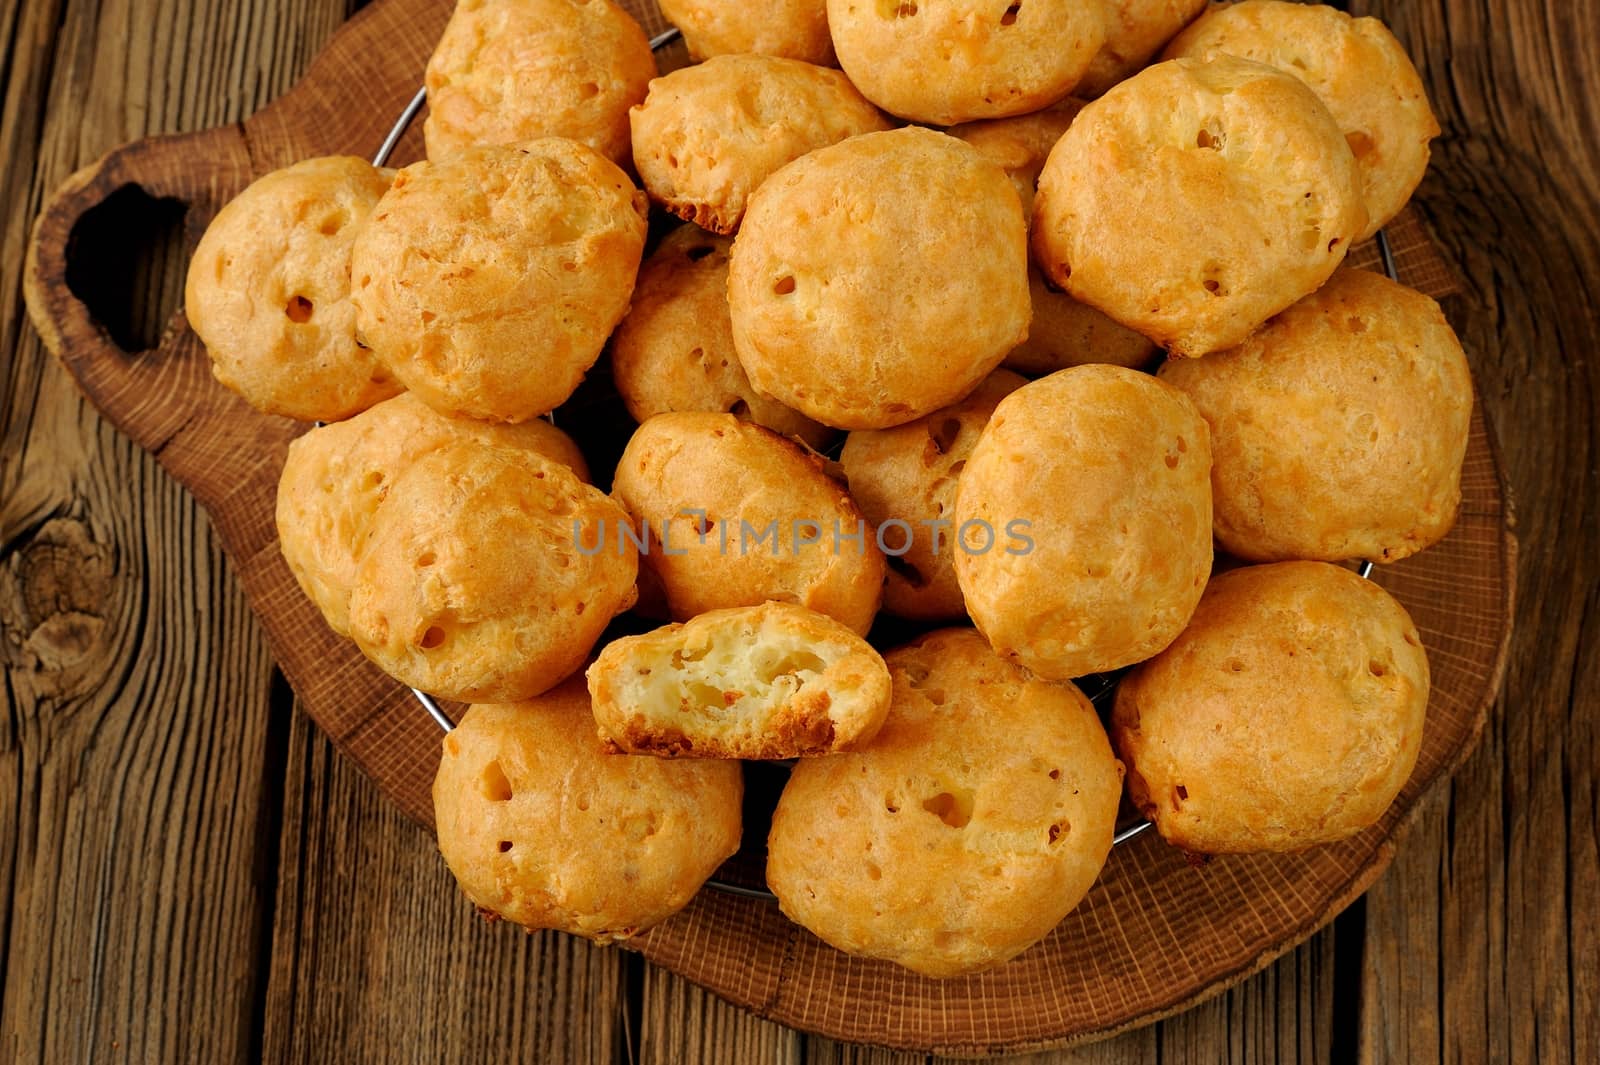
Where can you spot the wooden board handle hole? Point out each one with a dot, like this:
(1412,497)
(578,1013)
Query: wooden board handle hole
(118,264)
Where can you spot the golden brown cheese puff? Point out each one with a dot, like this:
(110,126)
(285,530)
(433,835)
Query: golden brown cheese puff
(1021,144)
(1135,32)
(793,29)
(904,480)
(949,61)
(489,282)
(1289,713)
(1197,199)
(1357,68)
(737,515)
(542,827)
(489,573)
(335,477)
(975,821)
(706,136)
(860,298)
(1338,429)
(1063,332)
(512,71)
(674,350)
(1067,333)
(769,681)
(1109,472)
(268,291)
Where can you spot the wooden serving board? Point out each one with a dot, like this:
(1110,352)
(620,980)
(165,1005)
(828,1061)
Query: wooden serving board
(1154,936)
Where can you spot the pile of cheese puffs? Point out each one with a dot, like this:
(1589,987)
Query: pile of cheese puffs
(968,348)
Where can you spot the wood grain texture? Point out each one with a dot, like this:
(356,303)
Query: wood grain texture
(1478,944)
(135,681)
(153,908)
(683,1025)
(1482,942)
(374,953)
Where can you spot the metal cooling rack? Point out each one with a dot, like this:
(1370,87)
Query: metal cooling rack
(1100,688)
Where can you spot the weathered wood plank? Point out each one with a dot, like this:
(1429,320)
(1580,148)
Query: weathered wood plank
(1481,941)
(1400,968)
(820,1051)
(135,684)
(376,956)
(1283,1014)
(683,1025)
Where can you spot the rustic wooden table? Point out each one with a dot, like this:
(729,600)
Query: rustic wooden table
(188,872)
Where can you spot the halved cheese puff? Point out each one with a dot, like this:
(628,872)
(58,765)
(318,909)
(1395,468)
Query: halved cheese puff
(769,681)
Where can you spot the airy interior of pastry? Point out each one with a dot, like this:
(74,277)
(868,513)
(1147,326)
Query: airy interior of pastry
(773,681)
